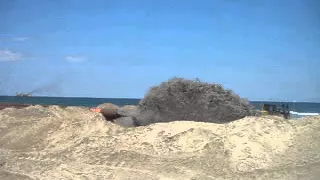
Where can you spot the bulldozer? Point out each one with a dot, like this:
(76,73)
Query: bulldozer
(275,110)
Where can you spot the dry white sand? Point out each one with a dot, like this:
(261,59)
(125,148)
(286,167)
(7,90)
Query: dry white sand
(74,143)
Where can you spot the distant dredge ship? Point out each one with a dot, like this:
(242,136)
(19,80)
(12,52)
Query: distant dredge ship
(18,105)
(24,94)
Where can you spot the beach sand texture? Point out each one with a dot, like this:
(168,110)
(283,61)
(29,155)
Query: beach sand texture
(74,143)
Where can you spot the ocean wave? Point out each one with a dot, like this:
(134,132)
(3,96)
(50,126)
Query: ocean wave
(304,113)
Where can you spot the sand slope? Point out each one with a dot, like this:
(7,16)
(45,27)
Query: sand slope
(74,143)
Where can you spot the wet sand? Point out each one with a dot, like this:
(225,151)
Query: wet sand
(15,105)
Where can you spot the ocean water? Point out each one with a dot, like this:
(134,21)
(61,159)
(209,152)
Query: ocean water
(300,107)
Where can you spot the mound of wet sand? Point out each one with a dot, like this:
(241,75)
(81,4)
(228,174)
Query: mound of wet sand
(75,143)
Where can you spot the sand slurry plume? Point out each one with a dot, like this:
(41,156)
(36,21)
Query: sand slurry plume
(75,143)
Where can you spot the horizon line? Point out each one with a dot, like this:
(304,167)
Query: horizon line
(142,98)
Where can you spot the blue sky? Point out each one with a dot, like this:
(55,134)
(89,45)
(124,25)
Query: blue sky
(119,48)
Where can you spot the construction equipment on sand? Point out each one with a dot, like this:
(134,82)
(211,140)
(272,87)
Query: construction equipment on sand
(275,110)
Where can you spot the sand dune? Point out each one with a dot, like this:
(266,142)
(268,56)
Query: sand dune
(74,143)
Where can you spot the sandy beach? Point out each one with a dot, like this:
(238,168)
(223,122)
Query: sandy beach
(74,143)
